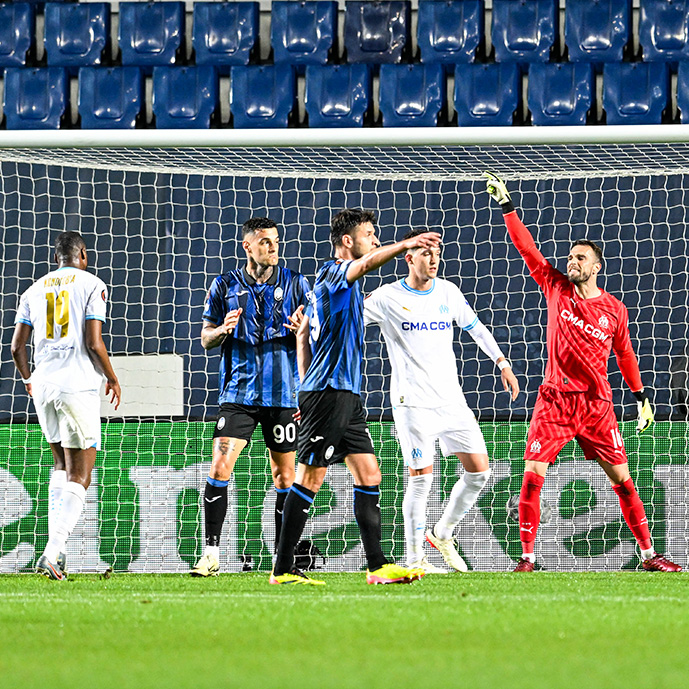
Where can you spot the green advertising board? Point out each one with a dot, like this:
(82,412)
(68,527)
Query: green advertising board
(143,508)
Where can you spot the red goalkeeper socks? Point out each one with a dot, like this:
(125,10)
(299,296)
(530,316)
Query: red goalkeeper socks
(529,510)
(634,513)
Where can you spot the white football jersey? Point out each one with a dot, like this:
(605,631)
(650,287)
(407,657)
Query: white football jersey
(418,328)
(57,307)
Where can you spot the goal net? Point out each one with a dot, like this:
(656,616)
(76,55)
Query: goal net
(160,224)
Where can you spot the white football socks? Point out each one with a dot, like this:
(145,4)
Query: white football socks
(414,510)
(58,479)
(213,550)
(72,504)
(462,498)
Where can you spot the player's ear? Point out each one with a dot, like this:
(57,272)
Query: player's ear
(409,257)
(347,240)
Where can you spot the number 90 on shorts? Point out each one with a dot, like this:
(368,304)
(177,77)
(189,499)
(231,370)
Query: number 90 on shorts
(278,426)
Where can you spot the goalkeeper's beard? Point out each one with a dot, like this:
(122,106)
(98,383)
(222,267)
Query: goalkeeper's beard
(579,278)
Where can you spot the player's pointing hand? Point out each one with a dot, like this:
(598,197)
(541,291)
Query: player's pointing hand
(496,188)
(231,320)
(295,319)
(426,240)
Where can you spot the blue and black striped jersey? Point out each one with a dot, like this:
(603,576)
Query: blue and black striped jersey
(336,321)
(258,360)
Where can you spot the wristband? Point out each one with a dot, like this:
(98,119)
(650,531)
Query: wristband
(505,363)
(640,395)
(26,381)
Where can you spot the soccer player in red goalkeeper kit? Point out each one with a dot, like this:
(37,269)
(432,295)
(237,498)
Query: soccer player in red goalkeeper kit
(575,399)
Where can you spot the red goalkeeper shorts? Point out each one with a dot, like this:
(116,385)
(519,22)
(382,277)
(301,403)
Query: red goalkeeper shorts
(559,417)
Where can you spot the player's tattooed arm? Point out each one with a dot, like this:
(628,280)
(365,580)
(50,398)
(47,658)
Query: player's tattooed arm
(213,336)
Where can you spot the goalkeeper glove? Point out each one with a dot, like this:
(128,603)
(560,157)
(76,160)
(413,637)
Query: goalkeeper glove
(645,411)
(498,190)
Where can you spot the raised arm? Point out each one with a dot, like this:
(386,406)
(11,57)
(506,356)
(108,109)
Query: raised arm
(520,235)
(214,335)
(376,258)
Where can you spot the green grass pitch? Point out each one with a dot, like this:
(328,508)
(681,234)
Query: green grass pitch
(550,630)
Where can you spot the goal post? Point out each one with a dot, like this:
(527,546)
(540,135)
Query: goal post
(160,212)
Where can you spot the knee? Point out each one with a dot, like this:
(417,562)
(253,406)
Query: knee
(478,479)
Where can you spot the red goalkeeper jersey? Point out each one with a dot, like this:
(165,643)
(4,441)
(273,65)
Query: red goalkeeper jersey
(581,332)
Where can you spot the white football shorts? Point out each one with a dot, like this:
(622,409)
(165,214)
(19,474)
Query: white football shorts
(69,418)
(455,427)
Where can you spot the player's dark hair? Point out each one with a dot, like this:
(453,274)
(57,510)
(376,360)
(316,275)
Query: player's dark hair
(255,224)
(415,233)
(346,221)
(596,249)
(68,245)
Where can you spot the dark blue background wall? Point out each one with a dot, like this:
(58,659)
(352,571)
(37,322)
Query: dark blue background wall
(158,240)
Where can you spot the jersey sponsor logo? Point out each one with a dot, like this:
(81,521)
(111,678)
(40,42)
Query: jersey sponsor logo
(102,295)
(316,438)
(431,325)
(535,447)
(589,329)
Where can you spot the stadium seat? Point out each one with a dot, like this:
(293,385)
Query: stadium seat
(560,93)
(412,95)
(185,97)
(683,92)
(377,32)
(76,34)
(262,96)
(450,31)
(303,33)
(636,92)
(663,30)
(17,29)
(524,31)
(597,31)
(487,94)
(35,98)
(225,33)
(337,95)
(151,33)
(110,97)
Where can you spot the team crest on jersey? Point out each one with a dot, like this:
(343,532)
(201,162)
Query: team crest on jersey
(278,293)
(444,309)
(603,322)
(416,453)
(535,447)
(221,423)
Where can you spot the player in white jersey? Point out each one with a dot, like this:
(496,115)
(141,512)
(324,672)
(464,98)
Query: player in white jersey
(417,316)
(65,310)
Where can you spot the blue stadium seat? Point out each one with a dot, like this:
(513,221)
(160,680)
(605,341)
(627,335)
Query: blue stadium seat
(262,96)
(35,98)
(412,95)
(560,93)
(635,92)
(450,31)
(17,29)
(225,33)
(377,32)
(151,33)
(185,97)
(110,97)
(524,31)
(487,95)
(597,31)
(304,32)
(337,95)
(663,28)
(683,92)
(76,34)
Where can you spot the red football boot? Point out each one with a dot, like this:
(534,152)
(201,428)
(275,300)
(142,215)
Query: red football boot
(524,565)
(658,563)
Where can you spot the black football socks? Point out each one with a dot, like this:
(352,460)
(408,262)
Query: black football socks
(294,516)
(367,514)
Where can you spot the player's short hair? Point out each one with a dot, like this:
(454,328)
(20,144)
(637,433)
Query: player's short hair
(415,233)
(68,245)
(596,249)
(255,224)
(346,221)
